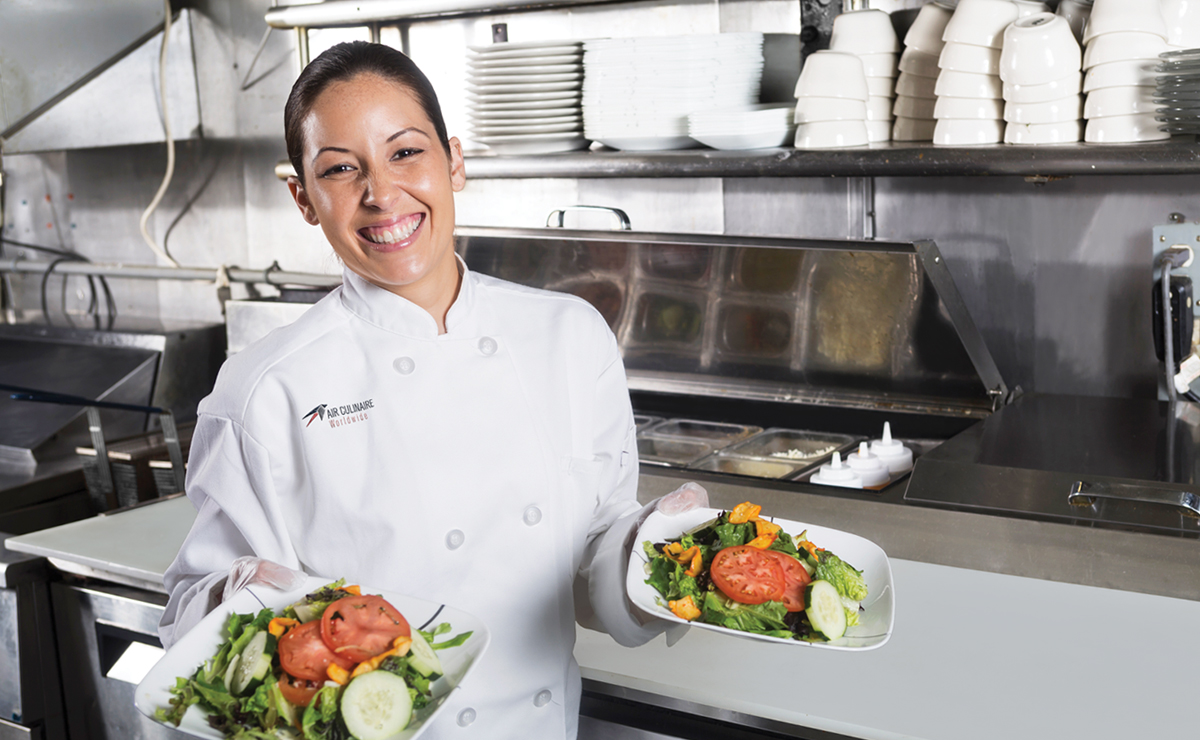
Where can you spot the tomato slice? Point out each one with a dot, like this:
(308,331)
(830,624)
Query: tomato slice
(795,578)
(305,655)
(747,575)
(361,627)
(298,691)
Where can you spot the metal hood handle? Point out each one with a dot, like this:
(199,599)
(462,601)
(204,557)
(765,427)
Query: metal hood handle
(1084,494)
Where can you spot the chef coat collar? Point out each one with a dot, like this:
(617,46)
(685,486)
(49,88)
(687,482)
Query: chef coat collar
(399,315)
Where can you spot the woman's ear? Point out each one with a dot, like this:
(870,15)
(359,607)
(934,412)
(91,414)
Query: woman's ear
(458,169)
(302,202)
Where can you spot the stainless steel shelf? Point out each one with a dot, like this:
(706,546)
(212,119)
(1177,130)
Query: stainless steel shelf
(1179,156)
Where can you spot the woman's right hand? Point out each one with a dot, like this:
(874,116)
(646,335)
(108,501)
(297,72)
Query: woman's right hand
(249,569)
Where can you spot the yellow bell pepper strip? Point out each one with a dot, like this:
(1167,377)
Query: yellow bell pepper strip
(697,563)
(279,625)
(672,549)
(763,541)
(744,512)
(685,608)
(762,526)
(400,646)
(337,674)
(353,590)
(810,548)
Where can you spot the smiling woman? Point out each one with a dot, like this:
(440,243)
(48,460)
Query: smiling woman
(377,172)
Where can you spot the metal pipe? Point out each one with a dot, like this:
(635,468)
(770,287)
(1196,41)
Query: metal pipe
(271,275)
(358,13)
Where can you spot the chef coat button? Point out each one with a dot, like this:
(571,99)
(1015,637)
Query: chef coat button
(488,346)
(455,538)
(404,365)
(533,515)
(542,698)
(466,717)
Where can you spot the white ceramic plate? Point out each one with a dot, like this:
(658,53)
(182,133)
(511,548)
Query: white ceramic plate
(490,63)
(557,98)
(535,143)
(875,622)
(202,643)
(499,114)
(478,81)
(560,128)
(489,91)
(526,49)
(497,74)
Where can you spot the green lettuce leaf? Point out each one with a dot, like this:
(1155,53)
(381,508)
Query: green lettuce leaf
(766,618)
(845,578)
(321,720)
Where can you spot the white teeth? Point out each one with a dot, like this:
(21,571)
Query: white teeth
(393,235)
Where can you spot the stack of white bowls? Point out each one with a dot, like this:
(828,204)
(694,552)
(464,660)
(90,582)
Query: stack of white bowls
(915,95)
(638,92)
(831,101)
(1123,39)
(970,105)
(753,127)
(1040,50)
(1076,13)
(1183,23)
(869,35)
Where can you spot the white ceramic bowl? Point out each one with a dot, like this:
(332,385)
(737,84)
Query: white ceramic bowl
(864,32)
(925,33)
(968,85)
(831,134)
(1063,132)
(908,107)
(919,63)
(1069,85)
(883,87)
(1076,13)
(809,110)
(878,131)
(880,65)
(965,132)
(1122,46)
(1052,111)
(1030,7)
(913,129)
(1182,18)
(984,109)
(1119,101)
(980,22)
(832,74)
(1039,48)
(1124,129)
(980,60)
(1111,16)
(916,87)
(879,109)
(1130,73)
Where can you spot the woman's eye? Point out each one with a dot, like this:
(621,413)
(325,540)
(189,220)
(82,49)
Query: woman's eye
(337,169)
(406,153)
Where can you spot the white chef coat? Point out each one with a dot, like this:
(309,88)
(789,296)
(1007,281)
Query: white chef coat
(484,468)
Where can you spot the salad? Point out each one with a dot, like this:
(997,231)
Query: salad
(337,664)
(743,572)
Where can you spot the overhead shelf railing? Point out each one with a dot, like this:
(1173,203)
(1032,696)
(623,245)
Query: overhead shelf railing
(335,13)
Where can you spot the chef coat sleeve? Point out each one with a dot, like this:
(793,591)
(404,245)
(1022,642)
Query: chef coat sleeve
(229,482)
(600,599)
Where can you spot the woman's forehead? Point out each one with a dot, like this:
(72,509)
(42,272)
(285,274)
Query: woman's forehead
(362,99)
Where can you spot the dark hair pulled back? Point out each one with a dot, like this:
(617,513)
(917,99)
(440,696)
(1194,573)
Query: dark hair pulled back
(343,62)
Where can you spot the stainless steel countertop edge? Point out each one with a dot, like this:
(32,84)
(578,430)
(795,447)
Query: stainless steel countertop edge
(1106,558)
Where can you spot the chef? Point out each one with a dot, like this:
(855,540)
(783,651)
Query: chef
(423,429)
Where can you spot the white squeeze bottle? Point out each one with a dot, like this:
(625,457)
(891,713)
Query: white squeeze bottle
(833,473)
(873,470)
(896,456)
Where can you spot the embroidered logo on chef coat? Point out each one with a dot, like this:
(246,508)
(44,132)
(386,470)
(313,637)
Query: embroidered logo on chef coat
(339,416)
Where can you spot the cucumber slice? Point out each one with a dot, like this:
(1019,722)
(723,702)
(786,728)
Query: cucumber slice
(376,705)
(231,670)
(422,657)
(823,605)
(286,709)
(253,665)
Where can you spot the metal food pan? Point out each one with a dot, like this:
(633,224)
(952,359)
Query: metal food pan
(754,331)
(744,466)
(669,320)
(918,446)
(673,451)
(687,264)
(808,448)
(644,422)
(764,271)
(715,433)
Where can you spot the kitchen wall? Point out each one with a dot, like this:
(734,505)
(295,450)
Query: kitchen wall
(1056,275)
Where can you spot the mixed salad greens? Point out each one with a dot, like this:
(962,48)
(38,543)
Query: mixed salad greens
(335,665)
(743,572)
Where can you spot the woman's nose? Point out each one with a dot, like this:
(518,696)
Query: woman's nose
(380,192)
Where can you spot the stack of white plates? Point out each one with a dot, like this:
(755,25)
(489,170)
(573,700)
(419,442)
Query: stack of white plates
(753,127)
(638,92)
(1178,92)
(525,98)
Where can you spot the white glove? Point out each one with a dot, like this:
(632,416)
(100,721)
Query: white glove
(249,569)
(685,498)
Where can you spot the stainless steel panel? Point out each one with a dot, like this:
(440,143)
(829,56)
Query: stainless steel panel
(46,48)
(12,731)
(30,693)
(95,623)
(871,325)
(137,118)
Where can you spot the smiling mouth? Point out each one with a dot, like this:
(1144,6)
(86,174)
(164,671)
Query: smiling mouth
(393,233)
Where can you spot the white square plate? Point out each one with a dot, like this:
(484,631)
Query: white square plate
(202,642)
(879,609)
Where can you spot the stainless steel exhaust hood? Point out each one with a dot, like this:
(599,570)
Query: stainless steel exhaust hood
(82,74)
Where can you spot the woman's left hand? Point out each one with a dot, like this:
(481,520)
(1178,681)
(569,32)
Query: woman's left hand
(687,497)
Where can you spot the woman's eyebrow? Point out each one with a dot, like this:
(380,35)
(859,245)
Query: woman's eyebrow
(403,131)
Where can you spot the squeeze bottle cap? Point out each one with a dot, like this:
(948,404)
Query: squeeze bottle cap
(895,455)
(834,473)
(872,468)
